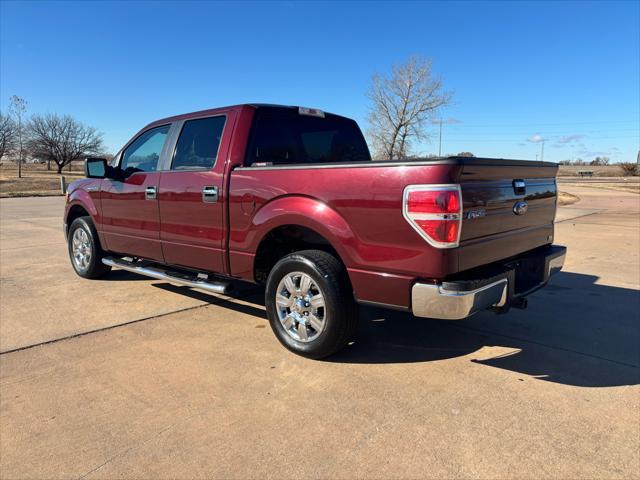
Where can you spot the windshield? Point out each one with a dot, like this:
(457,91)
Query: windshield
(284,136)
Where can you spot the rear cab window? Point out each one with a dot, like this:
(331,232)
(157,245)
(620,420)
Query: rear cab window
(284,136)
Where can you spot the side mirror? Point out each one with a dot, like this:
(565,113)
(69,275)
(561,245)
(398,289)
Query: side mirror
(95,167)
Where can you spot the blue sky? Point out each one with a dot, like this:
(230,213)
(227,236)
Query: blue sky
(567,72)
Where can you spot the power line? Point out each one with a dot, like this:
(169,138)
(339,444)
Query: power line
(567,133)
(440,142)
(543,133)
(518,140)
(511,124)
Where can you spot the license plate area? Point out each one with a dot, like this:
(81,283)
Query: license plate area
(524,274)
(528,274)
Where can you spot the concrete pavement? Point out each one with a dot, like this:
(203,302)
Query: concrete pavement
(552,391)
(43,299)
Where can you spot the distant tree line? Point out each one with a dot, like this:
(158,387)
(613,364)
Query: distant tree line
(598,161)
(50,137)
(628,168)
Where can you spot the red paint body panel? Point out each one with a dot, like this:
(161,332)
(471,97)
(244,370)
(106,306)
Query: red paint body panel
(358,210)
(130,222)
(382,288)
(193,232)
(85,194)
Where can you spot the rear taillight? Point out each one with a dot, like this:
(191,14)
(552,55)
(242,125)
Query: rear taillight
(435,212)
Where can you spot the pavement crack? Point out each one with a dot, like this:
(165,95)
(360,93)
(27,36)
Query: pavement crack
(617,225)
(133,447)
(40,225)
(25,246)
(580,216)
(102,329)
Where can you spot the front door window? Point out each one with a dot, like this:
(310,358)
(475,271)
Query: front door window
(143,154)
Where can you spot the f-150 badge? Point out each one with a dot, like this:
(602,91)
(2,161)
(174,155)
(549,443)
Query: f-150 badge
(475,213)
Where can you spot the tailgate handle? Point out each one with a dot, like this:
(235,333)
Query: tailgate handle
(519,187)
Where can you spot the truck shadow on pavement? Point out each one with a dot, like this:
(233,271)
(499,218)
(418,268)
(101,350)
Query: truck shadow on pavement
(575,332)
(123,275)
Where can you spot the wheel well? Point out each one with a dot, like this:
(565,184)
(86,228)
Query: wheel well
(284,240)
(75,212)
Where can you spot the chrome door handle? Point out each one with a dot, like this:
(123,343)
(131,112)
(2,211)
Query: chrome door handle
(210,194)
(150,193)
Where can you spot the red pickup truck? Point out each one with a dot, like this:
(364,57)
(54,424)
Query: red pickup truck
(289,197)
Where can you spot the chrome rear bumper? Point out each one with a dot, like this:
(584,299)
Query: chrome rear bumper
(450,301)
(433,301)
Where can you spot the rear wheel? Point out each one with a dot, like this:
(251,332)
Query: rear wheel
(310,304)
(84,249)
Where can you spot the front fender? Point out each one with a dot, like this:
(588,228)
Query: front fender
(78,197)
(84,200)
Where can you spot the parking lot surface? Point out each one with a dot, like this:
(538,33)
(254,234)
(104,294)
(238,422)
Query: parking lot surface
(131,377)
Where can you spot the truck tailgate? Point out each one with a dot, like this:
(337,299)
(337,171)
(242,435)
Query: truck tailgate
(508,208)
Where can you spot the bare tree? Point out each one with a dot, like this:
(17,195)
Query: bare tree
(7,135)
(465,154)
(62,139)
(401,105)
(18,108)
(629,169)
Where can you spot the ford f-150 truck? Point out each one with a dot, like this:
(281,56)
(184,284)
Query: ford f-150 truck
(289,197)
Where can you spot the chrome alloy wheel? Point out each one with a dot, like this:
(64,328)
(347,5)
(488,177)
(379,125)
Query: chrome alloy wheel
(300,306)
(81,249)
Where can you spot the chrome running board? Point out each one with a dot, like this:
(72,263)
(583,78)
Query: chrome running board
(188,280)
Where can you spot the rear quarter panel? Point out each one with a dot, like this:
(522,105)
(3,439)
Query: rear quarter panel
(357,209)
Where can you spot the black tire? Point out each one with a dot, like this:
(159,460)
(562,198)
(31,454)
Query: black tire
(340,313)
(94,267)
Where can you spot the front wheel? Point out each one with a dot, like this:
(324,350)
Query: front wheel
(84,249)
(310,304)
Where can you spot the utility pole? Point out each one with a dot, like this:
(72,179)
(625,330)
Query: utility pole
(18,108)
(440,142)
(542,151)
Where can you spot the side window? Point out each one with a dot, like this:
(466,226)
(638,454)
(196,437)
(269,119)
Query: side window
(198,144)
(143,154)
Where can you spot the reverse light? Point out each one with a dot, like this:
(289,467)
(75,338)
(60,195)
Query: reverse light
(435,212)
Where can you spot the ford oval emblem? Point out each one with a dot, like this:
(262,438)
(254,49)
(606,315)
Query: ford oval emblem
(520,208)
